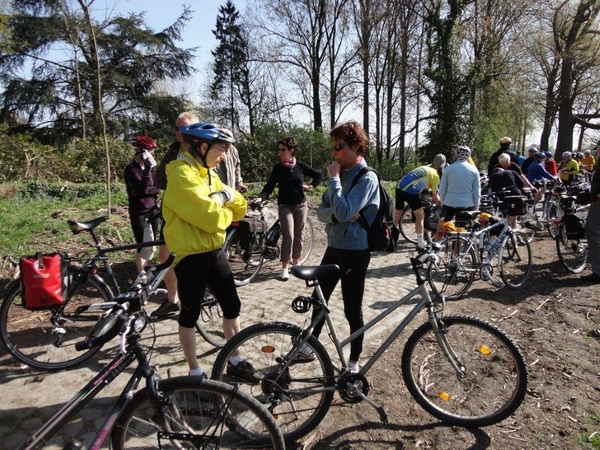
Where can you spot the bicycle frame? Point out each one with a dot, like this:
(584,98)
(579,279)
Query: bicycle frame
(425,302)
(132,353)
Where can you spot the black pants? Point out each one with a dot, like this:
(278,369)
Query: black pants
(353,271)
(194,273)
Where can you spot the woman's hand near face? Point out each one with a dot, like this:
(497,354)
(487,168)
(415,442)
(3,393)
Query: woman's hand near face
(333,170)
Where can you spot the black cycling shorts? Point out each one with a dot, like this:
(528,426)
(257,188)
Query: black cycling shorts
(413,200)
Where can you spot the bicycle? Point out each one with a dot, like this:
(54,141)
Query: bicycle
(247,254)
(45,339)
(489,244)
(571,241)
(460,369)
(181,412)
(406,224)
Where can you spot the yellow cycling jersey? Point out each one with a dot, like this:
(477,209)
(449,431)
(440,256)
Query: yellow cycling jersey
(571,169)
(194,222)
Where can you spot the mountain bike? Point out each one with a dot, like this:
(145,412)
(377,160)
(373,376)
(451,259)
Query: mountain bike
(462,370)
(45,339)
(182,412)
(485,247)
(247,252)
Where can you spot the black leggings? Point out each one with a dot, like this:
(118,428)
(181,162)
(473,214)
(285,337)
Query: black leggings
(353,271)
(194,272)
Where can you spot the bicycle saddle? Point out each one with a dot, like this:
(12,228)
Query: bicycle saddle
(78,227)
(467,215)
(312,272)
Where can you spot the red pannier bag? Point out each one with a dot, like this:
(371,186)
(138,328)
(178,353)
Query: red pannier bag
(44,280)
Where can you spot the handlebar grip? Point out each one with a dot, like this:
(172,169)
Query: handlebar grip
(106,329)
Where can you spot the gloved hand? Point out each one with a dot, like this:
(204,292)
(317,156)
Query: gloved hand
(149,160)
(221,197)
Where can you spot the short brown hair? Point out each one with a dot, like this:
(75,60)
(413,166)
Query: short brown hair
(289,142)
(352,134)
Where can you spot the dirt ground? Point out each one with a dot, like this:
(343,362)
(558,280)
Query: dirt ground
(555,319)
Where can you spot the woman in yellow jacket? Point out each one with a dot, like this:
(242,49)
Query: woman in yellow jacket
(198,208)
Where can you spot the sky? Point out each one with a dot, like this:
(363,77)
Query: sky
(161,14)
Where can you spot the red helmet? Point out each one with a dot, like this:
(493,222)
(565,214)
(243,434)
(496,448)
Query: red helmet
(143,142)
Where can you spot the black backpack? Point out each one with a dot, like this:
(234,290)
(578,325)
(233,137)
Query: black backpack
(383,234)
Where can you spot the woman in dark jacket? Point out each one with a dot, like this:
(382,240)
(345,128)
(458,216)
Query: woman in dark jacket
(289,176)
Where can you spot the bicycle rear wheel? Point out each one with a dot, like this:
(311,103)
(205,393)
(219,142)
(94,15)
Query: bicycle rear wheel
(492,378)
(554,213)
(407,225)
(46,339)
(210,323)
(298,396)
(453,271)
(308,240)
(515,260)
(244,264)
(197,414)
(573,253)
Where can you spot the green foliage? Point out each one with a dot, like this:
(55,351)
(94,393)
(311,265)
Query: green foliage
(61,46)
(258,153)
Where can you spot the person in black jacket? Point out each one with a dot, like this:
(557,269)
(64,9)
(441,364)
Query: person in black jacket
(505,143)
(289,176)
(141,191)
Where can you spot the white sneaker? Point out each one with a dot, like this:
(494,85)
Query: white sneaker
(284,274)
(353,367)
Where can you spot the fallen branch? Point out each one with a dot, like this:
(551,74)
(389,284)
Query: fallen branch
(509,316)
(543,303)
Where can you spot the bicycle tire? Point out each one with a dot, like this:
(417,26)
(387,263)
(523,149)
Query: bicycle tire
(244,265)
(572,253)
(522,226)
(494,375)
(554,213)
(308,240)
(205,414)
(210,323)
(406,224)
(32,337)
(300,396)
(515,260)
(453,274)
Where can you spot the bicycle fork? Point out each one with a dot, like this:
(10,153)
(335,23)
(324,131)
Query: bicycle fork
(439,330)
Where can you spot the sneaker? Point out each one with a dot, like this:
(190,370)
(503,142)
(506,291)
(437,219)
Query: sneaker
(285,275)
(302,357)
(353,368)
(165,310)
(245,371)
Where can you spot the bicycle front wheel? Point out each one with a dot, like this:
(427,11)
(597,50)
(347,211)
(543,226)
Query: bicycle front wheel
(515,260)
(573,253)
(298,395)
(308,240)
(488,383)
(210,323)
(554,214)
(245,265)
(195,414)
(46,339)
(453,271)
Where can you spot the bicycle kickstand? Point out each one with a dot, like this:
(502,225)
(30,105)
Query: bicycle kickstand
(382,414)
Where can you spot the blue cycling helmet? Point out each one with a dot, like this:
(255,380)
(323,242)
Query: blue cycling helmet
(206,132)
(548,154)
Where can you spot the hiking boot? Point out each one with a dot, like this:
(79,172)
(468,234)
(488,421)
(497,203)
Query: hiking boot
(166,310)
(245,371)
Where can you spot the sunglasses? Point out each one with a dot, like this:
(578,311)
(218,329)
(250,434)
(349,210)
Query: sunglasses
(337,148)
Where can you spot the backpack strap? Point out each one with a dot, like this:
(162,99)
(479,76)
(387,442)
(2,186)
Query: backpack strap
(362,220)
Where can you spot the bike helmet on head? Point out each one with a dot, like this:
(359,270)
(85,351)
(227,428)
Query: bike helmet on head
(587,152)
(567,154)
(463,152)
(533,150)
(143,142)
(206,132)
(548,154)
(539,155)
(505,141)
(579,155)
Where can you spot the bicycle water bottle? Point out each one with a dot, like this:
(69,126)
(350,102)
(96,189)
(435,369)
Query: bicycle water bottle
(274,233)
